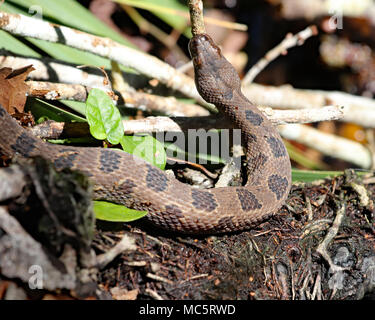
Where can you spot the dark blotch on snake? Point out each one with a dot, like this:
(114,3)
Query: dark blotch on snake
(277,147)
(24,144)
(248,200)
(2,111)
(66,160)
(278,185)
(203,200)
(109,161)
(127,186)
(253,117)
(155,179)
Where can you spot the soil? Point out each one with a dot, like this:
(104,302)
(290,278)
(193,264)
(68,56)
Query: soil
(276,260)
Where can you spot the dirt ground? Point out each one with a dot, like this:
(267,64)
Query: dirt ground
(320,245)
(276,260)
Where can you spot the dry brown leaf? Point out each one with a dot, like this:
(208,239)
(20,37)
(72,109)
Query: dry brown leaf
(123,294)
(13,88)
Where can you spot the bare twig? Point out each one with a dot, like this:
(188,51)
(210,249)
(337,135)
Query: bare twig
(158,278)
(332,232)
(47,69)
(198,276)
(289,42)
(57,91)
(59,130)
(196,16)
(143,101)
(328,144)
(154,294)
(126,244)
(170,105)
(364,199)
(359,110)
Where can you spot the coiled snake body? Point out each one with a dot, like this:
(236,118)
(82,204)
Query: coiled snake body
(121,178)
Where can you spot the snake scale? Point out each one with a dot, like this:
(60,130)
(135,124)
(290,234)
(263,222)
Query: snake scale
(121,178)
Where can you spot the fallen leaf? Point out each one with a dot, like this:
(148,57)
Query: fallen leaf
(123,294)
(13,88)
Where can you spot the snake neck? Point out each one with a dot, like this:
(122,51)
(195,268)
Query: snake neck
(259,137)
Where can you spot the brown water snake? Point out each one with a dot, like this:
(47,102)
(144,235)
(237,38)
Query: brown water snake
(171,204)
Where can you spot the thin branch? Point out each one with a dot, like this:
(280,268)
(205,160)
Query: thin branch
(57,91)
(196,16)
(328,144)
(126,244)
(332,232)
(170,105)
(359,110)
(61,130)
(153,294)
(51,70)
(140,100)
(281,49)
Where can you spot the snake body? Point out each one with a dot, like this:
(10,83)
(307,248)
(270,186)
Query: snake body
(124,179)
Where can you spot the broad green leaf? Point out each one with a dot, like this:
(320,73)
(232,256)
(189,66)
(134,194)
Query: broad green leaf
(103,117)
(117,213)
(145,147)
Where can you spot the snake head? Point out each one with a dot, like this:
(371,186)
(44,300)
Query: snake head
(215,77)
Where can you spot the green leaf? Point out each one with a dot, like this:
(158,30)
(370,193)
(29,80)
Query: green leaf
(40,108)
(103,117)
(14,45)
(147,148)
(109,211)
(310,176)
(162,9)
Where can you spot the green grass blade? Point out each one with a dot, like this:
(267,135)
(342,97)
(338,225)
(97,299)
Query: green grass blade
(160,9)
